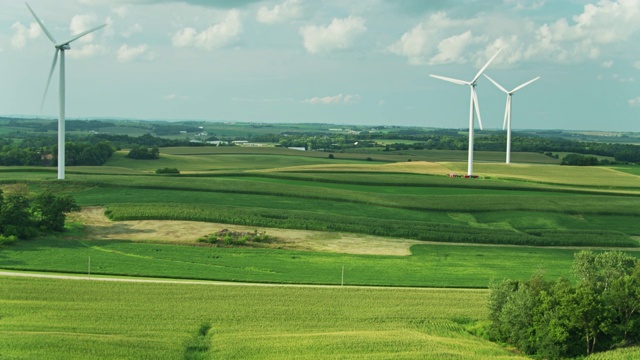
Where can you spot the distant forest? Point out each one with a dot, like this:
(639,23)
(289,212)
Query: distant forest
(92,142)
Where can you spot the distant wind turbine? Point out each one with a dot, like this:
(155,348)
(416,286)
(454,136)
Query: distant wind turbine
(60,48)
(507,110)
(473,105)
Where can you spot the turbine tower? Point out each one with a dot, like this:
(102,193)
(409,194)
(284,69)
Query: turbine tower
(473,105)
(60,48)
(507,110)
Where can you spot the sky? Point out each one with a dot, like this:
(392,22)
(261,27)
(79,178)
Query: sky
(345,62)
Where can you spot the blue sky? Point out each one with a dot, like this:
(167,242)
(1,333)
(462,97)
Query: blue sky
(333,61)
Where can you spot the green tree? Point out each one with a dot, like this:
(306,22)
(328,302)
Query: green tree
(15,217)
(52,209)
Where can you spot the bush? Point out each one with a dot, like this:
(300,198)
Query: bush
(167,171)
(7,240)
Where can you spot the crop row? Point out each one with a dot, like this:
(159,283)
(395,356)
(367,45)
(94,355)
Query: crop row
(501,200)
(304,220)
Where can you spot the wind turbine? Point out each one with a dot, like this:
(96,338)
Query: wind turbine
(507,110)
(60,48)
(473,105)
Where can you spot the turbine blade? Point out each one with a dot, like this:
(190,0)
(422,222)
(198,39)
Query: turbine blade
(477,106)
(485,66)
(506,111)
(81,35)
(495,83)
(46,89)
(455,81)
(525,84)
(44,28)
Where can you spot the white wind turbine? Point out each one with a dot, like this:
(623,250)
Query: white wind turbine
(473,105)
(507,110)
(60,48)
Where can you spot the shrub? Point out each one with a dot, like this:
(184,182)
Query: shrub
(167,171)
(7,240)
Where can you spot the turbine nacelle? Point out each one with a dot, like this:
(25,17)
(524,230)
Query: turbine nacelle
(63,47)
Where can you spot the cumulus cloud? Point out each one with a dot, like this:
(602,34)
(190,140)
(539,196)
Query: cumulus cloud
(637,65)
(214,37)
(599,25)
(413,44)
(288,10)
(21,33)
(452,49)
(87,51)
(135,28)
(340,34)
(585,36)
(634,102)
(80,23)
(328,100)
(419,43)
(128,53)
(607,64)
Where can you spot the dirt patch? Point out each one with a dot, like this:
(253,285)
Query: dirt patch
(98,226)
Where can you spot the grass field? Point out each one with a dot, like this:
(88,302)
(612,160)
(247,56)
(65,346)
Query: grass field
(66,319)
(266,188)
(429,265)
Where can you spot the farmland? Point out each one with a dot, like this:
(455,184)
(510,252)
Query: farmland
(386,221)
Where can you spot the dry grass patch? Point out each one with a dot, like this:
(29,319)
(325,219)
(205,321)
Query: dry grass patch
(98,227)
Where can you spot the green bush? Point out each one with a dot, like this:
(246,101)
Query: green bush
(7,240)
(167,171)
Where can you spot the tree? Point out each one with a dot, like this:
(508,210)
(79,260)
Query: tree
(52,209)
(554,320)
(15,217)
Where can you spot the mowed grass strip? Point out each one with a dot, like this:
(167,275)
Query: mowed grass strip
(70,319)
(429,265)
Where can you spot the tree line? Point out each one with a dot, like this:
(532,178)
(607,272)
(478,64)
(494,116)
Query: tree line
(452,140)
(558,319)
(35,152)
(23,217)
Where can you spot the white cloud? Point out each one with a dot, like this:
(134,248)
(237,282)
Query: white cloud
(637,65)
(452,49)
(328,100)
(340,34)
(21,33)
(86,51)
(607,64)
(288,10)
(214,37)
(602,24)
(80,23)
(127,53)
(634,101)
(135,28)
(419,44)
(413,45)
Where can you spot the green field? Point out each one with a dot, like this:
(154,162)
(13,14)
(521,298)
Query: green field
(66,319)
(554,210)
(429,265)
